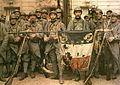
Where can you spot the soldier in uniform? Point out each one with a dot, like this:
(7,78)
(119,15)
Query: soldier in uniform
(22,16)
(59,14)
(113,37)
(78,23)
(38,15)
(3,46)
(44,16)
(86,17)
(34,41)
(108,14)
(14,42)
(52,48)
(22,20)
(97,23)
(17,13)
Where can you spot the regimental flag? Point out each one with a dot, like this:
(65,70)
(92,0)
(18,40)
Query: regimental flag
(78,46)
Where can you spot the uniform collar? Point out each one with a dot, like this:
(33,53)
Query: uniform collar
(77,20)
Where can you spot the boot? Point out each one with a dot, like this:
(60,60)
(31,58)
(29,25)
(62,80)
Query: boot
(2,79)
(114,76)
(77,76)
(61,80)
(89,82)
(96,75)
(32,75)
(108,77)
(23,76)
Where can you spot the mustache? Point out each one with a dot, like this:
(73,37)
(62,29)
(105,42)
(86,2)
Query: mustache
(77,15)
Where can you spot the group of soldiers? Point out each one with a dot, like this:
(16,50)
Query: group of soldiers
(41,41)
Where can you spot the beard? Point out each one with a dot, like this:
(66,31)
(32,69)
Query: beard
(53,20)
(77,16)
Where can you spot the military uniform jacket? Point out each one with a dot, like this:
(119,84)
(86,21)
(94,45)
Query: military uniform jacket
(13,28)
(35,43)
(116,34)
(78,24)
(53,28)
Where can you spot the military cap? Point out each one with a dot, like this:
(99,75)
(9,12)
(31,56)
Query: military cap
(77,9)
(16,10)
(32,14)
(86,16)
(58,10)
(53,12)
(37,11)
(93,6)
(109,11)
(114,14)
(44,11)
(12,16)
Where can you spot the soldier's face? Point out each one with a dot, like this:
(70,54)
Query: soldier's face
(13,21)
(113,19)
(33,18)
(38,14)
(53,16)
(78,14)
(17,14)
(108,14)
(99,15)
(44,15)
(59,15)
(87,18)
(104,18)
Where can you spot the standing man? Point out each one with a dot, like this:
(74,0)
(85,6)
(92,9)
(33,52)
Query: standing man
(44,16)
(108,14)
(34,42)
(97,23)
(113,38)
(38,15)
(17,13)
(59,14)
(14,42)
(3,46)
(52,48)
(78,23)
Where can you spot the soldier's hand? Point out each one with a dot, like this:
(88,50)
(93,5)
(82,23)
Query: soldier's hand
(17,39)
(32,36)
(46,39)
(27,30)
(111,39)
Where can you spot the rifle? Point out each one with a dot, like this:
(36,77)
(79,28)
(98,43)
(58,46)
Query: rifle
(104,38)
(25,32)
(89,76)
(10,80)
